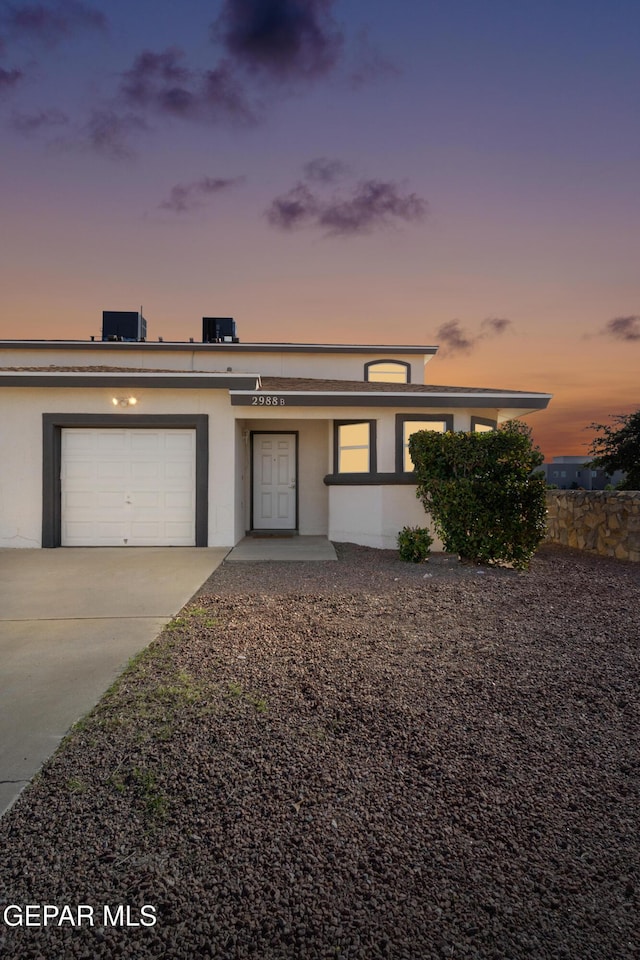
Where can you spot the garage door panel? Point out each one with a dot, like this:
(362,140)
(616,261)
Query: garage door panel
(147,499)
(110,469)
(136,487)
(103,533)
(80,470)
(180,531)
(178,470)
(180,444)
(108,500)
(145,470)
(147,530)
(179,499)
(81,441)
(78,499)
(146,442)
(110,442)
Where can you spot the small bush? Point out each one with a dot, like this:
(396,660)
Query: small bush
(414,544)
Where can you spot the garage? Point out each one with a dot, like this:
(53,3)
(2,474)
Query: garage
(127,487)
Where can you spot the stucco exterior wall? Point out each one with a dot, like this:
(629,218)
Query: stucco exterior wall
(313,497)
(374,515)
(21,470)
(215,357)
(242,474)
(21,412)
(600,521)
(370,513)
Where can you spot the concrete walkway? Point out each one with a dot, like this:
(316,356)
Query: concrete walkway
(289,549)
(70,620)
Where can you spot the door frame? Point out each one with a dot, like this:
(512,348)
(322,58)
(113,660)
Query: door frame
(52,425)
(295,434)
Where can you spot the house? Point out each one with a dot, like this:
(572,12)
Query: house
(574,473)
(130,441)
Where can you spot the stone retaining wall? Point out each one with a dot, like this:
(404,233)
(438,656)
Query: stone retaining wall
(601,521)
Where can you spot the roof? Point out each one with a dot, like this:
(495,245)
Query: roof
(307,392)
(223,348)
(316,385)
(246,389)
(106,376)
(102,368)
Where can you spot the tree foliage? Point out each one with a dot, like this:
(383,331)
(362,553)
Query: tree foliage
(486,505)
(617,447)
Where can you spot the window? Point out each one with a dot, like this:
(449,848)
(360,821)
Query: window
(480,425)
(354,447)
(408,425)
(387,371)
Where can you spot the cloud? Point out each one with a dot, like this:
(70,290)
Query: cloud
(9,79)
(281,39)
(494,325)
(623,328)
(185,197)
(455,338)
(371,204)
(108,132)
(29,123)
(163,83)
(50,23)
(323,170)
(293,209)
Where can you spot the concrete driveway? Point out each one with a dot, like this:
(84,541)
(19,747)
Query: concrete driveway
(70,620)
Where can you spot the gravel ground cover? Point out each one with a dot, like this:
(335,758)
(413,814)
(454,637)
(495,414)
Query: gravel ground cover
(363,759)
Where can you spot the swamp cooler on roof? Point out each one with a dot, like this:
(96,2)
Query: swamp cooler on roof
(123,325)
(219,330)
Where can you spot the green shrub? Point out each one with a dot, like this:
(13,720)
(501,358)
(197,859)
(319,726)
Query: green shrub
(479,489)
(414,544)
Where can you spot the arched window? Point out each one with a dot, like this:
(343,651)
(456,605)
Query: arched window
(387,371)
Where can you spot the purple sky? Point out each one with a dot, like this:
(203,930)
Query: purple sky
(462,173)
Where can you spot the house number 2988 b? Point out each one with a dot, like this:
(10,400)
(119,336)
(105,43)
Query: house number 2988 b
(267,401)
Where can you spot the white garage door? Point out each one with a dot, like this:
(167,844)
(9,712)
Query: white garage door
(128,487)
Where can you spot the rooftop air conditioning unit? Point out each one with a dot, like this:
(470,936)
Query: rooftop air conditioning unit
(219,330)
(123,325)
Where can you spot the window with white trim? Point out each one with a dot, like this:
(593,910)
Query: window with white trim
(387,371)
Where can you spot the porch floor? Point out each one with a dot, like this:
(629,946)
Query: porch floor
(288,549)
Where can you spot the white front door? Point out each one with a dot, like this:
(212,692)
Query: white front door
(274,481)
(127,487)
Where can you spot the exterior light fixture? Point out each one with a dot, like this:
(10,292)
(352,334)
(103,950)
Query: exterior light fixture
(124,401)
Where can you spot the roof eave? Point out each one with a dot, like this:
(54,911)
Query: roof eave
(168,345)
(282,398)
(189,381)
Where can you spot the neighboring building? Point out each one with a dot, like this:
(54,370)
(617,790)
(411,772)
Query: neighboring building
(573,473)
(131,442)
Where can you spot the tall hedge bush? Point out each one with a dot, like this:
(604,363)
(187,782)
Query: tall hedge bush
(479,489)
